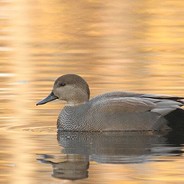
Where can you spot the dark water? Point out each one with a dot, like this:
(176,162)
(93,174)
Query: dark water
(115,45)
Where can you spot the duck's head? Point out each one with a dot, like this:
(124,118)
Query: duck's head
(71,88)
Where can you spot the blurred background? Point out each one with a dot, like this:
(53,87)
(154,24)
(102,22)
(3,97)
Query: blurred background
(115,45)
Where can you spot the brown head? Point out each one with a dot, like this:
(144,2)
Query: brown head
(71,88)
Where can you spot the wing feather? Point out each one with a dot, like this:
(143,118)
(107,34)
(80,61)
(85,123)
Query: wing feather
(128,104)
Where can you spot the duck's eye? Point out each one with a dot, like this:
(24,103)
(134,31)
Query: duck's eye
(62,84)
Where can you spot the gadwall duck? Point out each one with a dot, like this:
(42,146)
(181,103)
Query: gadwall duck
(115,111)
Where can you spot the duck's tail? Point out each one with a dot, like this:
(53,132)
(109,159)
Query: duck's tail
(176,119)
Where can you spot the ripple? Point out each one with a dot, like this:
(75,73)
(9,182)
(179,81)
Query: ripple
(35,130)
(49,129)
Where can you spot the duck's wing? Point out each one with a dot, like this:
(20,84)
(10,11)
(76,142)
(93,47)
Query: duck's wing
(135,104)
(123,104)
(125,113)
(125,97)
(120,94)
(163,97)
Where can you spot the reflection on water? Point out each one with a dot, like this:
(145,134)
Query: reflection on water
(81,148)
(73,167)
(121,45)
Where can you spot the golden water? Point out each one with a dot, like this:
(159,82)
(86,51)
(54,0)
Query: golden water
(115,45)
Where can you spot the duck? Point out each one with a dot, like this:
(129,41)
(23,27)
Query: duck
(112,111)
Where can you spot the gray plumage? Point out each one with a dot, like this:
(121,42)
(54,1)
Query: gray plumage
(115,111)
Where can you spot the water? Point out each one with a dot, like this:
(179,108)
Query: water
(115,45)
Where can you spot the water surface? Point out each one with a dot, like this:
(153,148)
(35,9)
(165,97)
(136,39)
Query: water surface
(115,45)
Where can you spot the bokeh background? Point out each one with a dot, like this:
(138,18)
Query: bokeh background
(115,45)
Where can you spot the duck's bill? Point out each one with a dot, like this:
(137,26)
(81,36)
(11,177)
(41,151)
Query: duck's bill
(50,98)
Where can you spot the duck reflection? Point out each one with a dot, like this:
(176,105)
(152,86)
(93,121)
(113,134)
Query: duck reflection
(72,167)
(115,147)
(78,148)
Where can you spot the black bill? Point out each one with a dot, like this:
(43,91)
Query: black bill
(50,98)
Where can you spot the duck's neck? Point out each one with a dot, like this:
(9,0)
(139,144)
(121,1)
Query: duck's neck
(79,97)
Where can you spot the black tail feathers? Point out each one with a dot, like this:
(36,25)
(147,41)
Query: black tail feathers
(176,120)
